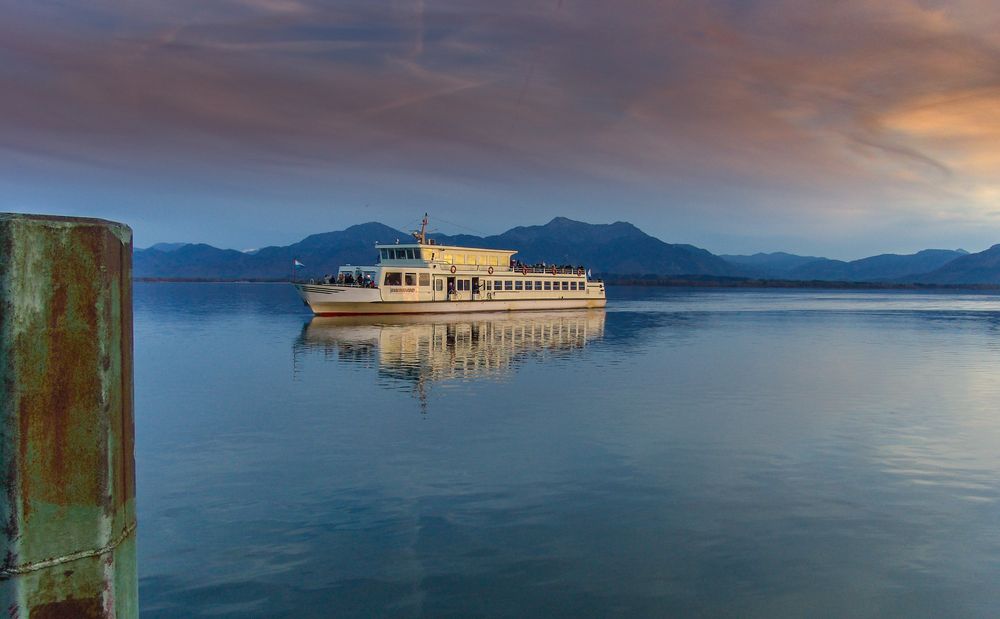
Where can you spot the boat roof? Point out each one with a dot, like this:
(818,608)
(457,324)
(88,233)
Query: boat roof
(436,246)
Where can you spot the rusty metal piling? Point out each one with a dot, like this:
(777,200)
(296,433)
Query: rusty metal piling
(66,419)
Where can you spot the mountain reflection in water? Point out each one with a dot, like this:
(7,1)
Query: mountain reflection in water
(423,349)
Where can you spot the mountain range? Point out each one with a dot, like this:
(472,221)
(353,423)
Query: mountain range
(616,249)
(882,268)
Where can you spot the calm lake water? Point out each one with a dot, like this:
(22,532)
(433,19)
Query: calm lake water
(683,453)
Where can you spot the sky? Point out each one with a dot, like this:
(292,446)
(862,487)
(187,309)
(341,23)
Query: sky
(841,129)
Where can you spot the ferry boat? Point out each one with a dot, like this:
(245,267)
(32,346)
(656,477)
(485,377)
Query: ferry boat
(424,277)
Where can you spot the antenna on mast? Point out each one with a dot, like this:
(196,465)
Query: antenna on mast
(422,235)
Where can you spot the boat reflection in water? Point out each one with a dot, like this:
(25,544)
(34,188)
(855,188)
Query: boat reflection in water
(422,349)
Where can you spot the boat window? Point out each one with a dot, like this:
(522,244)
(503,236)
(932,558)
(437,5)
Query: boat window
(393,278)
(498,285)
(463,284)
(538,284)
(450,259)
(518,285)
(508,285)
(572,285)
(548,285)
(408,253)
(425,279)
(439,284)
(493,261)
(410,279)
(488,284)
(384,254)
(565,285)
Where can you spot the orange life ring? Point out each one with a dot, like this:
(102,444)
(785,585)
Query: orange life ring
(453,269)
(524,270)
(553,270)
(490,270)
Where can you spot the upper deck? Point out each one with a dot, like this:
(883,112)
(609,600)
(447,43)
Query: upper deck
(426,255)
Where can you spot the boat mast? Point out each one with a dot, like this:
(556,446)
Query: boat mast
(422,235)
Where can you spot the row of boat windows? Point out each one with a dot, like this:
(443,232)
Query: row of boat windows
(396,278)
(403,254)
(537,285)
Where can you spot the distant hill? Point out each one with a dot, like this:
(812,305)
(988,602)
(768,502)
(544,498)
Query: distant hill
(321,253)
(168,246)
(979,268)
(885,267)
(618,248)
(775,265)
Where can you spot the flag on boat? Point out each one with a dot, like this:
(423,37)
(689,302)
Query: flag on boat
(296,263)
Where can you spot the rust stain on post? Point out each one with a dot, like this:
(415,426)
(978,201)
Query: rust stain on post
(66,418)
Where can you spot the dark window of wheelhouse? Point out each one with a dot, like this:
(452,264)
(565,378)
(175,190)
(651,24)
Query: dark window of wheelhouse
(409,254)
(393,278)
(384,253)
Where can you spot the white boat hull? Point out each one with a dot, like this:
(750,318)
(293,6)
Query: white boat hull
(332,300)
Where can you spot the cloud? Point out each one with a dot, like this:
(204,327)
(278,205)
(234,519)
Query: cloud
(875,101)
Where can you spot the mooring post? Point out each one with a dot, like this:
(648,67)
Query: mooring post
(66,420)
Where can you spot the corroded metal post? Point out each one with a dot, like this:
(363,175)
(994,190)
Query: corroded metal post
(66,423)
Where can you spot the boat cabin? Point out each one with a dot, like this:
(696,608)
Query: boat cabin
(425,255)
